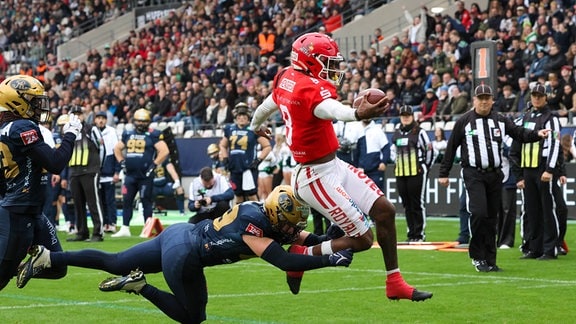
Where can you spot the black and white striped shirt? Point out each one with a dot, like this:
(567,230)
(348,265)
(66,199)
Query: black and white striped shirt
(481,139)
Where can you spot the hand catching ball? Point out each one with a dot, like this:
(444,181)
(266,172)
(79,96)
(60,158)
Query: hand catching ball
(373,96)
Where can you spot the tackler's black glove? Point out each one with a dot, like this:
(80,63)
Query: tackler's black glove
(341,258)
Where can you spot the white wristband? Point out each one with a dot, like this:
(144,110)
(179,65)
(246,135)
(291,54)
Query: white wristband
(326,247)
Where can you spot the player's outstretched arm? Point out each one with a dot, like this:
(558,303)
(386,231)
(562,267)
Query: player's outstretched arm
(273,253)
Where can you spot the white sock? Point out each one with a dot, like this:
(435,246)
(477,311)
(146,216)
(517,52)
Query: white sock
(392,271)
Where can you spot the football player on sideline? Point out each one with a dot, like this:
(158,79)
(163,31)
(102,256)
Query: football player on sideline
(306,95)
(182,251)
(24,104)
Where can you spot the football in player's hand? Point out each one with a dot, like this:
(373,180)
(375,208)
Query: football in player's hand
(373,96)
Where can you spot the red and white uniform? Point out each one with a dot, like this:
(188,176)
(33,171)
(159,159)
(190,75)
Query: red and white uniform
(338,190)
(297,94)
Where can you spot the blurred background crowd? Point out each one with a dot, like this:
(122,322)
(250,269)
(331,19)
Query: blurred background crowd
(196,63)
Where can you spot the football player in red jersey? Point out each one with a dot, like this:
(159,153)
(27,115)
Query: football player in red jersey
(306,95)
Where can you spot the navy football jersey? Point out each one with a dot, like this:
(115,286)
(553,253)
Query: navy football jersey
(221,239)
(161,175)
(242,145)
(140,151)
(25,179)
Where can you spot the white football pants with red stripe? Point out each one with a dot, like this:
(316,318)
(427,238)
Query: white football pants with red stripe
(339,191)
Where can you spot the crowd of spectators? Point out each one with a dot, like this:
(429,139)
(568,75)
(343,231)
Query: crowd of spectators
(199,61)
(31,29)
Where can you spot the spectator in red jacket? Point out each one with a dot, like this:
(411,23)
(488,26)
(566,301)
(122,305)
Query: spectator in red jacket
(428,107)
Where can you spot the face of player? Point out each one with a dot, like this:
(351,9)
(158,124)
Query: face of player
(242,120)
(483,105)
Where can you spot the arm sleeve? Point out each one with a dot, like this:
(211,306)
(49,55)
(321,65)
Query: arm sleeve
(553,139)
(96,137)
(266,108)
(313,239)
(333,109)
(54,160)
(386,153)
(453,144)
(278,257)
(226,195)
(514,156)
(426,147)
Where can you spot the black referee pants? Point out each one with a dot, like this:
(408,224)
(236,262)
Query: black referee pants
(507,217)
(541,222)
(84,189)
(484,190)
(412,191)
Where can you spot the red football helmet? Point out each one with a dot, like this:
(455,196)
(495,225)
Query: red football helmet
(318,54)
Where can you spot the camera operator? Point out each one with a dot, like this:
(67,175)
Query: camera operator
(210,196)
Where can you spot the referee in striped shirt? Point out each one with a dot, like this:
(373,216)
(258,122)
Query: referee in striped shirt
(480,133)
(539,164)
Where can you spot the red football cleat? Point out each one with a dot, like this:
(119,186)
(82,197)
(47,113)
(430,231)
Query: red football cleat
(397,288)
(294,278)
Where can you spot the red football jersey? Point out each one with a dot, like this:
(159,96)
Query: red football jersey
(297,94)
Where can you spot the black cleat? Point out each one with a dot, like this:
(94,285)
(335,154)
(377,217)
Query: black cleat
(293,283)
(418,295)
(530,255)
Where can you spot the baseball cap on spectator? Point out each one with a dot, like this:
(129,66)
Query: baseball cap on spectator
(432,37)
(107,46)
(406,111)
(93,77)
(430,90)
(483,90)
(539,89)
(102,114)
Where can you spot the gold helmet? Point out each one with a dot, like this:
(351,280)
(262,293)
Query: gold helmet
(287,214)
(212,149)
(142,120)
(24,96)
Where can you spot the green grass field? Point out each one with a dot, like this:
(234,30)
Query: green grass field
(527,291)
